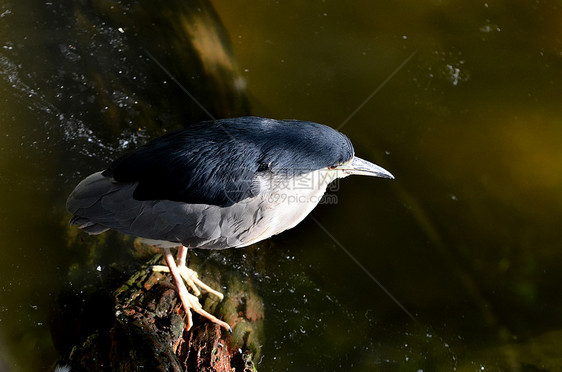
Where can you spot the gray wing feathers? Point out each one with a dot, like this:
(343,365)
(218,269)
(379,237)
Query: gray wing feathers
(84,201)
(88,192)
(99,203)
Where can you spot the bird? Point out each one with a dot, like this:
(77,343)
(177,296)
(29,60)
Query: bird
(214,185)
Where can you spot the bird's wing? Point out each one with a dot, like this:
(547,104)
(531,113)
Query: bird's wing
(98,203)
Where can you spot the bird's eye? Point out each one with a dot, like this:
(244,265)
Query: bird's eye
(263,167)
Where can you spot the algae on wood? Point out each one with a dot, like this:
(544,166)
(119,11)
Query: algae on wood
(147,329)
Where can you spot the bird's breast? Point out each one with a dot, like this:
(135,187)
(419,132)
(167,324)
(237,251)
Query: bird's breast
(285,200)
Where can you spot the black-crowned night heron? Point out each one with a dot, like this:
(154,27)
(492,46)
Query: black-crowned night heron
(215,185)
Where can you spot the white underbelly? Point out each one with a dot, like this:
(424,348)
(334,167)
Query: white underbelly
(285,205)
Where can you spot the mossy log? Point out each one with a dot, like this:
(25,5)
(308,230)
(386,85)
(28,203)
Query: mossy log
(146,328)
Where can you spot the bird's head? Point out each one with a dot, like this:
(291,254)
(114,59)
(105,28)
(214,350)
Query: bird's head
(300,147)
(307,155)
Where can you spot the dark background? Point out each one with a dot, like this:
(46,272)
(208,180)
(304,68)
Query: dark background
(467,238)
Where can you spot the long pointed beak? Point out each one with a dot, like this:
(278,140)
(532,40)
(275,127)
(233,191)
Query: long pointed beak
(364,168)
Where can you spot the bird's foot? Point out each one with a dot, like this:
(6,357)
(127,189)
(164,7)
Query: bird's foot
(191,302)
(188,300)
(191,279)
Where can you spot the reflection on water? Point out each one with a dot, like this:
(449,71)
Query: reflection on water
(466,237)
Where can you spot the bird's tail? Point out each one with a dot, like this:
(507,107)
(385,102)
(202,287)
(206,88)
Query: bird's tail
(87,225)
(83,201)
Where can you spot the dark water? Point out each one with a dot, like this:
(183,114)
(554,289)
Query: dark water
(467,238)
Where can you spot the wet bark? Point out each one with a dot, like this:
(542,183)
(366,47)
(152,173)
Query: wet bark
(143,328)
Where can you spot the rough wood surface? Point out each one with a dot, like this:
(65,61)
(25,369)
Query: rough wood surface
(146,329)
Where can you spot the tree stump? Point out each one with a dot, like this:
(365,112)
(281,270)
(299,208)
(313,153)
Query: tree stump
(140,327)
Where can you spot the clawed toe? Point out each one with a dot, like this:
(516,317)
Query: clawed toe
(189,301)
